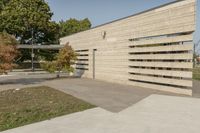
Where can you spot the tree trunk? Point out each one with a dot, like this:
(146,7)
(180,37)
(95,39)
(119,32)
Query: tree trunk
(58,74)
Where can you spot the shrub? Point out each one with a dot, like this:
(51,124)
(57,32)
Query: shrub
(8,52)
(62,62)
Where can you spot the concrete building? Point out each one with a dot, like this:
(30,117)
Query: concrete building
(151,49)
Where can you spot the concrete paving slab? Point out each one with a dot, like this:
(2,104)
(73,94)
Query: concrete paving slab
(165,114)
(78,122)
(110,96)
(196,88)
(154,114)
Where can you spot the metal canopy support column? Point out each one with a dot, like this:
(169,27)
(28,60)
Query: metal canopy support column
(32,52)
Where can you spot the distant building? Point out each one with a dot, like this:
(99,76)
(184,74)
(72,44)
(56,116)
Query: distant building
(151,49)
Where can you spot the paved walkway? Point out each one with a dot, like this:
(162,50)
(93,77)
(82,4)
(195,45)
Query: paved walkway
(23,79)
(112,97)
(122,108)
(154,114)
(196,88)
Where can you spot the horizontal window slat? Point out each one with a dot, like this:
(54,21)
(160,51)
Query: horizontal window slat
(173,39)
(83,57)
(169,48)
(162,88)
(187,65)
(186,56)
(184,74)
(169,81)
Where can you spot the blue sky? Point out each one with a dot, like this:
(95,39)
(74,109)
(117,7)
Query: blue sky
(102,11)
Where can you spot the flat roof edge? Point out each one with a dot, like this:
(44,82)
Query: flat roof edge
(151,9)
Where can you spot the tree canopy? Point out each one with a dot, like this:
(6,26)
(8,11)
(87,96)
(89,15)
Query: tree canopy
(3,3)
(22,17)
(6,39)
(72,26)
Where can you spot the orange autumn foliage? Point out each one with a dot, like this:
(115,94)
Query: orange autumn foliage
(8,53)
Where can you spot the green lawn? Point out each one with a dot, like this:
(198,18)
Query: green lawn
(29,105)
(196,73)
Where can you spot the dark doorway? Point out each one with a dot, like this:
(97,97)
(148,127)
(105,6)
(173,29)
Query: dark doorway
(94,54)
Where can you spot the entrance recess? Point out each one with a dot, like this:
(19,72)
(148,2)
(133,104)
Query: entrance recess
(94,54)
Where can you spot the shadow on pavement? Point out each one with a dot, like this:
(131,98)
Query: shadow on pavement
(23,81)
(30,79)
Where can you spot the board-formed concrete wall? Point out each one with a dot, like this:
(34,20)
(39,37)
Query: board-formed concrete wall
(152,49)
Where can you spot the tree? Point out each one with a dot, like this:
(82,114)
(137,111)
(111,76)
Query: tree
(62,62)
(22,17)
(3,4)
(72,26)
(8,52)
(85,24)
